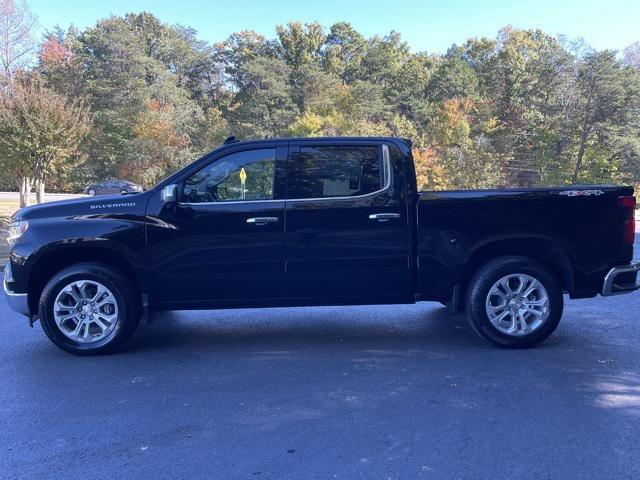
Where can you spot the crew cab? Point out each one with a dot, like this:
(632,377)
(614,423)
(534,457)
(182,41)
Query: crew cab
(316,221)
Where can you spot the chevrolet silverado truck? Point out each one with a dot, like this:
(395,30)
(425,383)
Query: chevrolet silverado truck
(316,221)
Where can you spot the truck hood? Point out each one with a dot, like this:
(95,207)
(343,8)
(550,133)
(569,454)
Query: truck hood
(107,204)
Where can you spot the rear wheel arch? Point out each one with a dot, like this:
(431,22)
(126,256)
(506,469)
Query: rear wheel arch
(549,253)
(55,260)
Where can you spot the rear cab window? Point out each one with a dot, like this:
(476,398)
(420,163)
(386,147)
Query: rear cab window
(335,171)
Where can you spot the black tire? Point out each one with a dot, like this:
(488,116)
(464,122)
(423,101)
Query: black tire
(123,290)
(92,192)
(480,285)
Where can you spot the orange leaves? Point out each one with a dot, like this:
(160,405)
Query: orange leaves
(155,125)
(451,125)
(430,172)
(157,143)
(53,52)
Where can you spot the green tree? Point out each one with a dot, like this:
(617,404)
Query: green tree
(344,51)
(609,98)
(453,78)
(301,44)
(41,130)
(263,107)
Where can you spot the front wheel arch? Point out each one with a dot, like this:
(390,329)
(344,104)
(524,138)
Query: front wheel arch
(125,313)
(53,261)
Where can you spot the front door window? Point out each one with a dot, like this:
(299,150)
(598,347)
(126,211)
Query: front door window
(247,175)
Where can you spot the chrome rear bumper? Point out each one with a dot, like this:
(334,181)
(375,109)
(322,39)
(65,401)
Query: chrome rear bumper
(610,286)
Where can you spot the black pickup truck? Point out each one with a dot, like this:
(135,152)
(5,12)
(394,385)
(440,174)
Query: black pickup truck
(316,221)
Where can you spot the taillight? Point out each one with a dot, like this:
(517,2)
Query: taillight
(628,203)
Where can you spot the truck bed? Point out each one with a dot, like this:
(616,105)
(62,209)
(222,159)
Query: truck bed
(578,224)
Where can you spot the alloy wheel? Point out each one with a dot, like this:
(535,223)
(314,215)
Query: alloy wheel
(86,311)
(517,304)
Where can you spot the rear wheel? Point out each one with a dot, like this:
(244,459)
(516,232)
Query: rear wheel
(514,302)
(89,309)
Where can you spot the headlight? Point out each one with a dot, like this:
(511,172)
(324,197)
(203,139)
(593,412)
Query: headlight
(16,230)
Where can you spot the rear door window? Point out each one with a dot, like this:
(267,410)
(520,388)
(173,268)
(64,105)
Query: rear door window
(334,171)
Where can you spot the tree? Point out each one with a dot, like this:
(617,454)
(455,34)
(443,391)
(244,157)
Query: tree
(523,108)
(453,78)
(632,55)
(430,173)
(408,90)
(344,50)
(41,129)
(235,53)
(126,64)
(263,107)
(16,39)
(608,98)
(300,44)
(384,58)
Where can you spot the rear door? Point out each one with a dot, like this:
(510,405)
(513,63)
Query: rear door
(346,233)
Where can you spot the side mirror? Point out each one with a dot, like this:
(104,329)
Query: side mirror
(169,194)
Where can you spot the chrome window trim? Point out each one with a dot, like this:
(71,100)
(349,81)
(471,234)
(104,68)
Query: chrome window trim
(230,202)
(386,174)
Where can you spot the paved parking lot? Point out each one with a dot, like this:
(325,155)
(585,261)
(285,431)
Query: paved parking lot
(313,393)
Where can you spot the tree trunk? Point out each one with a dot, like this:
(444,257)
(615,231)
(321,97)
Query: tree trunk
(583,141)
(25,189)
(39,191)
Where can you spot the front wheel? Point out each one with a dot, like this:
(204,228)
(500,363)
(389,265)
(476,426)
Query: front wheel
(92,192)
(514,302)
(89,308)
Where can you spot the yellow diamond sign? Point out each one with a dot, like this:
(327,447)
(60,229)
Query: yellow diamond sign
(243,175)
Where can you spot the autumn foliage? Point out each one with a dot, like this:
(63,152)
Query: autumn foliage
(524,108)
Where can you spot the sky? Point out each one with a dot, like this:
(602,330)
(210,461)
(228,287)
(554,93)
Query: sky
(426,25)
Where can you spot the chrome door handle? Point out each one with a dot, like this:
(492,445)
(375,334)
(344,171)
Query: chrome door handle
(383,217)
(262,220)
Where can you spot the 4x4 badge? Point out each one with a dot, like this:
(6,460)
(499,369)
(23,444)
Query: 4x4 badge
(581,193)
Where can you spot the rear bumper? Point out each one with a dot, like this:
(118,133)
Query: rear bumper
(17,302)
(621,280)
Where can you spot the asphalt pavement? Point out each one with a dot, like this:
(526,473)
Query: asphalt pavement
(384,392)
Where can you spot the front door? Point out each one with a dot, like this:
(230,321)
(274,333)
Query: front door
(223,243)
(347,235)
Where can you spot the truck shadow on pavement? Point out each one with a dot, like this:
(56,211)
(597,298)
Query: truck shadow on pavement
(395,325)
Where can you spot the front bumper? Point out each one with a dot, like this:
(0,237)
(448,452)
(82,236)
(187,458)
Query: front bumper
(621,280)
(18,302)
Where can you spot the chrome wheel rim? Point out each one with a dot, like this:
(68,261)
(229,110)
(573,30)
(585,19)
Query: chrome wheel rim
(86,311)
(517,304)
